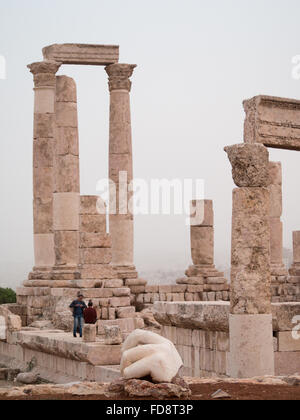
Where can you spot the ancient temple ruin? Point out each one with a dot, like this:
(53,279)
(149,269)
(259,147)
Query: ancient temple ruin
(241,328)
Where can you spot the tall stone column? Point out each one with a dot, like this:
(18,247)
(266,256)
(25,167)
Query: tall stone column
(120,164)
(43,162)
(250,321)
(66,191)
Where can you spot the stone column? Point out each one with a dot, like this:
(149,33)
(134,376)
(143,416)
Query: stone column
(293,287)
(202,233)
(120,163)
(43,161)
(276,227)
(250,321)
(66,191)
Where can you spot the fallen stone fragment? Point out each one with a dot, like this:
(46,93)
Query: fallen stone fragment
(140,388)
(27,378)
(220,394)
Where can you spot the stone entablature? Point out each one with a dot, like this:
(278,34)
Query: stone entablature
(272,121)
(85,54)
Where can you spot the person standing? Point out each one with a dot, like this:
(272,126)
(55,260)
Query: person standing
(90,314)
(78,307)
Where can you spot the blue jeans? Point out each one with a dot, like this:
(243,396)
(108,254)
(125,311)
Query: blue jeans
(78,321)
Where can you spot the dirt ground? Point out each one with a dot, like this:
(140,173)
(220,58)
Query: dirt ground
(204,392)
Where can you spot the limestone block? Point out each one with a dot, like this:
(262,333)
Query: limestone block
(272,121)
(121,231)
(135,282)
(97,271)
(276,239)
(202,213)
(284,314)
(43,153)
(89,333)
(91,204)
(95,240)
(113,334)
(43,182)
(44,125)
(44,255)
(287,363)
(66,114)
(275,200)
(119,301)
(137,289)
(202,245)
(44,100)
(120,162)
(275,173)
(66,245)
(123,291)
(151,289)
(87,54)
(296,246)
(65,89)
(145,353)
(67,142)
(93,223)
(113,283)
(286,341)
(178,288)
(95,256)
(42,215)
(251,346)
(14,323)
(104,313)
(111,313)
(66,211)
(66,170)
(194,288)
(250,164)
(125,312)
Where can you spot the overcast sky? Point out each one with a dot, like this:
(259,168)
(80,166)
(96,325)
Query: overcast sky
(197,60)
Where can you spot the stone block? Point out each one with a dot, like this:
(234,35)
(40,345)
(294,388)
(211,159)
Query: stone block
(194,288)
(122,291)
(93,223)
(179,288)
(137,289)
(121,230)
(114,283)
(125,312)
(92,204)
(287,363)
(95,256)
(65,211)
(184,336)
(43,126)
(276,239)
(86,54)
(44,100)
(202,213)
(113,335)
(251,346)
(42,215)
(275,200)
(272,121)
(66,245)
(95,240)
(287,342)
(89,333)
(202,244)
(250,164)
(44,255)
(66,114)
(151,289)
(43,153)
(296,246)
(43,183)
(135,282)
(14,323)
(67,142)
(66,174)
(119,301)
(275,173)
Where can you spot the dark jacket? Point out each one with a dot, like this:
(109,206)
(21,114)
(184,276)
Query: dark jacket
(78,310)
(90,315)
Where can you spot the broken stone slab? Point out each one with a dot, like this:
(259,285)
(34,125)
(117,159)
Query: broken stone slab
(89,333)
(250,164)
(84,54)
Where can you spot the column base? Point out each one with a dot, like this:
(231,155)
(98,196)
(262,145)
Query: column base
(251,346)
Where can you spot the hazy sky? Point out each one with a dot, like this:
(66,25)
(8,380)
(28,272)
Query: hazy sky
(197,61)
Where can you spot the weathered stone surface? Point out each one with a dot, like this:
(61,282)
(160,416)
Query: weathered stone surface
(119,301)
(296,246)
(135,282)
(273,122)
(195,315)
(93,223)
(14,323)
(125,312)
(284,314)
(43,153)
(67,142)
(27,378)
(275,173)
(202,213)
(95,255)
(66,248)
(66,171)
(275,200)
(202,244)
(43,182)
(42,215)
(95,240)
(89,333)
(113,334)
(65,211)
(122,291)
(250,164)
(287,342)
(145,353)
(97,271)
(44,125)
(65,89)
(87,54)
(276,239)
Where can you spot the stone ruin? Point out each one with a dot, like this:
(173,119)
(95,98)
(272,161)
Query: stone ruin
(241,329)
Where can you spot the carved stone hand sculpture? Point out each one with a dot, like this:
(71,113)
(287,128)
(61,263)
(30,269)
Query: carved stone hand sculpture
(148,354)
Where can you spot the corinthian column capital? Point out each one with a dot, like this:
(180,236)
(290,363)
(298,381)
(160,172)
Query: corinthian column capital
(44,73)
(119,75)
